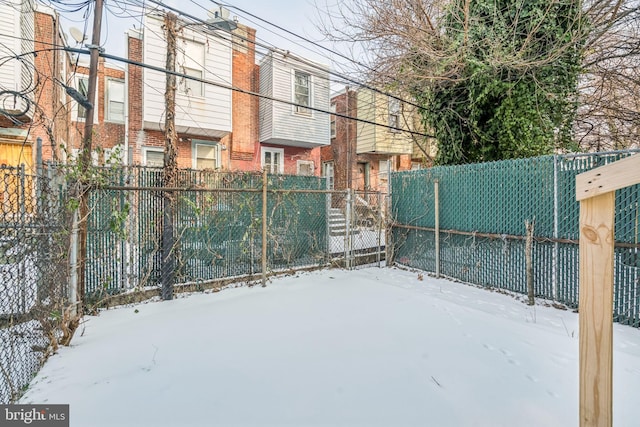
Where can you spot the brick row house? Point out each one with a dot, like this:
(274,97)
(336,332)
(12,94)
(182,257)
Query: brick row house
(33,102)
(362,154)
(218,128)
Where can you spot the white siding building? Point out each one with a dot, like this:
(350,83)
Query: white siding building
(282,77)
(201,109)
(16,38)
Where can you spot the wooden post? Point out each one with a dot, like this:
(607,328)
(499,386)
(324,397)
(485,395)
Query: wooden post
(595,189)
(596,310)
(264,227)
(436,196)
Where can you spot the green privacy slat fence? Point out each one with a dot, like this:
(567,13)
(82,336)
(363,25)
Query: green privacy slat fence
(218,232)
(483,209)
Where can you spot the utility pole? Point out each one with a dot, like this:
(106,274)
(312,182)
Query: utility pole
(170,167)
(85,154)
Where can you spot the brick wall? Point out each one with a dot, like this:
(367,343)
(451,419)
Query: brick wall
(241,141)
(135,89)
(50,118)
(106,134)
(343,151)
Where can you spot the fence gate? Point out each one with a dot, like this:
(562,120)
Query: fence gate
(357,233)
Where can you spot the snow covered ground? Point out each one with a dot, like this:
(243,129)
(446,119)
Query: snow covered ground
(372,347)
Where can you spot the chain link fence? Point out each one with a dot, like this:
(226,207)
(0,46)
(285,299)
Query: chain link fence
(217,230)
(357,224)
(224,227)
(33,273)
(483,209)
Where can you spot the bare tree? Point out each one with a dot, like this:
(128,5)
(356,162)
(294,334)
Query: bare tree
(419,45)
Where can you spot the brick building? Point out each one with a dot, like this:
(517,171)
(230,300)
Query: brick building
(361,155)
(218,128)
(32,90)
(109,131)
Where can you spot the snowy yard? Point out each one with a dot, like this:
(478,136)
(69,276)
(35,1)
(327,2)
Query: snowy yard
(372,347)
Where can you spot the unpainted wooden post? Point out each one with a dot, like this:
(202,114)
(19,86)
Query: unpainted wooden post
(596,310)
(595,190)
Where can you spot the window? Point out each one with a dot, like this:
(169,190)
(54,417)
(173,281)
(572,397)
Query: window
(153,157)
(302,92)
(333,121)
(115,100)
(384,170)
(273,160)
(83,88)
(305,167)
(190,57)
(62,75)
(327,172)
(206,155)
(78,112)
(394,114)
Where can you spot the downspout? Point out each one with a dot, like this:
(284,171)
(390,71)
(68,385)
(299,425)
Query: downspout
(126,160)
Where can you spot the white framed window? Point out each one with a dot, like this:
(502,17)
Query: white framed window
(82,85)
(206,155)
(272,159)
(62,75)
(301,92)
(79,113)
(333,121)
(153,156)
(305,167)
(115,101)
(190,60)
(394,114)
(328,173)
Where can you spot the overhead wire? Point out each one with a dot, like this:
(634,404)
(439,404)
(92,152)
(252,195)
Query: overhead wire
(248,92)
(232,39)
(296,57)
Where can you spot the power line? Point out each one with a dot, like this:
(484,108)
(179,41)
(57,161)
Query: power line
(323,48)
(296,57)
(248,92)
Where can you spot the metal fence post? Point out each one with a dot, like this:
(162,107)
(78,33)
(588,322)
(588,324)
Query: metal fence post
(436,195)
(554,261)
(73,264)
(39,176)
(328,218)
(380,226)
(347,246)
(21,195)
(264,227)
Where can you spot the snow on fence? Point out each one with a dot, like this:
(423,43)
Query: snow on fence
(483,209)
